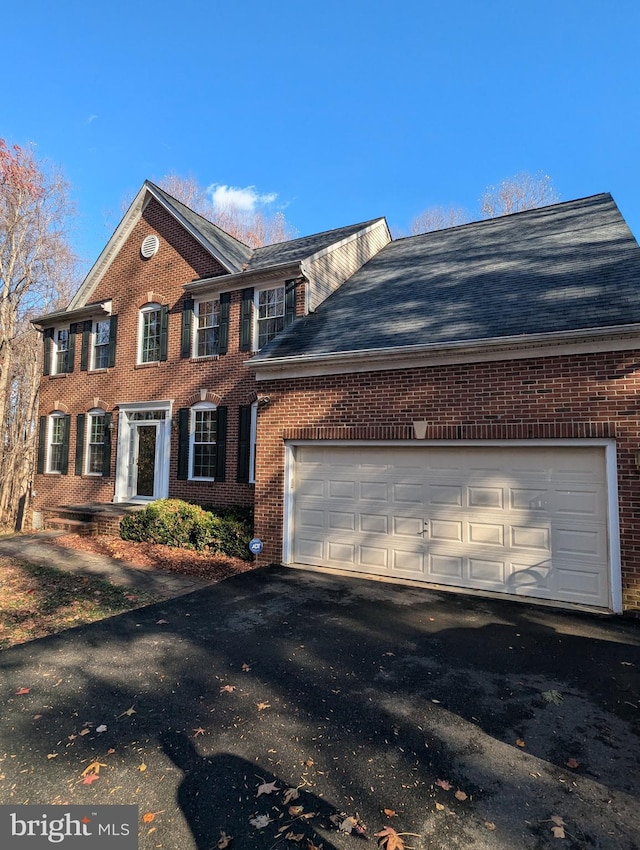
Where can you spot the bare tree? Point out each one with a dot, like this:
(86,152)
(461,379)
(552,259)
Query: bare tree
(521,192)
(438,218)
(254,227)
(37,274)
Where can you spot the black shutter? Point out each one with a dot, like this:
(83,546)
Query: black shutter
(64,461)
(221,443)
(106,448)
(187,323)
(244,442)
(113,335)
(246,319)
(79,442)
(183,443)
(42,444)
(71,353)
(164,331)
(47,341)
(289,301)
(223,333)
(84,348)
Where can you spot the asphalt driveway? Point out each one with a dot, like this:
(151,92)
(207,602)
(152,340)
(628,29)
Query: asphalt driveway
(473,723)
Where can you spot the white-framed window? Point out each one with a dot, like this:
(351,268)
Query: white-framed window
(61,351)
(270,314)
(203,434)
(207,328)
(95,441)
(149,333)
(100,346)
(252,443)
(57,436)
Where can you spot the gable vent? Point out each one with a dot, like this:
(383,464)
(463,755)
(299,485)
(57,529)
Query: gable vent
(149,247)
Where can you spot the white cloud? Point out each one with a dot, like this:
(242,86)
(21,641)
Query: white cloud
(246,199)
(91,119)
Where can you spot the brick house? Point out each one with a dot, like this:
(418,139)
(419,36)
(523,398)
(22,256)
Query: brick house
(145,393)
(457,409)
(464,412)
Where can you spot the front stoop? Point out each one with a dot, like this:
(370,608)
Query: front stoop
(88,519)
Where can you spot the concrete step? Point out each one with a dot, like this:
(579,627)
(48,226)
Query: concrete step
(71,526)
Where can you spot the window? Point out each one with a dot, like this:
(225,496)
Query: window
(61,340)
(150,333)
(207,315)
(95,442)
(270,311)
(203,433)
(58,443)
(101,338)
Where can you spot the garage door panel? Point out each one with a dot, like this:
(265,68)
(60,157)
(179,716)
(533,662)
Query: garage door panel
(520,520)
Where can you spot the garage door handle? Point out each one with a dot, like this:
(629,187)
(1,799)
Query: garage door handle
(424,531)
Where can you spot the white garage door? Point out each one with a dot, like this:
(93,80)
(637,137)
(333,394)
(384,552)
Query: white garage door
(517,520)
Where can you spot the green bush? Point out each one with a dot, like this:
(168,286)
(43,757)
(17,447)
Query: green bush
(177,523)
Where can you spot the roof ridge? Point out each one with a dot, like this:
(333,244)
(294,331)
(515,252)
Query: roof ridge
(321,233)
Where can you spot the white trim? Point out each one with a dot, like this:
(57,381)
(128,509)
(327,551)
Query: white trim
(442,354)
(609,446)
(256,321)
(151,307)
(95,411)
(253,437)
(55,414)
(163,448)
(200,405)
(92,343)
(195,315)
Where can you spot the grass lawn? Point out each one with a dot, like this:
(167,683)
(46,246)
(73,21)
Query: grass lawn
(36,601)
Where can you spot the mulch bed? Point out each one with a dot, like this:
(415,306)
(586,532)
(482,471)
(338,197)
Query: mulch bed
(205,565)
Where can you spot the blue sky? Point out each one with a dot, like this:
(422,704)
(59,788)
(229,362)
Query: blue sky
(343,110)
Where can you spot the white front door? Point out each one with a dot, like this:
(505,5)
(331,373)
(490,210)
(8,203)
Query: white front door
(144,431)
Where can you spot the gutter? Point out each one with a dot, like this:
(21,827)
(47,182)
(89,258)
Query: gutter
(231,281)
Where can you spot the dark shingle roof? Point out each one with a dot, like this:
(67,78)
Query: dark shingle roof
(299,249)
(566,267)
(233,253)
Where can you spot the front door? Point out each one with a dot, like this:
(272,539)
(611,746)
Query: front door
(143,461)
(144,438)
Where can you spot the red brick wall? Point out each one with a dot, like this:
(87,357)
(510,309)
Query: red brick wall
(556,397)
(179,260)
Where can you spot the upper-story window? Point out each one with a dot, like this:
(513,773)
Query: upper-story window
(270,313)
(61,349)
(101,338)
(150,333)
(207,323)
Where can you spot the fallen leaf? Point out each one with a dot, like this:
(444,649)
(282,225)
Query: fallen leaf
(295,811)
(292,836)
(101,728)
(147,817)
(161,622)
(224,840)
(460,795)
(198,731)
(227,689)
(85,731)
(442,783)
(390,813)
(312,846)
(558,832)
(94,767)
(289,795)
(89,778)
(52,755)
(22,691)
(128,712)
(260,821)
(142,767)
(267,788)
(436,701)
(573,763)
(490,825)
(262,705)
(389,839)
(440,807)
(557,820)
(520,742)
(37,716)
(110,751)
(309,763)
(246,668)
